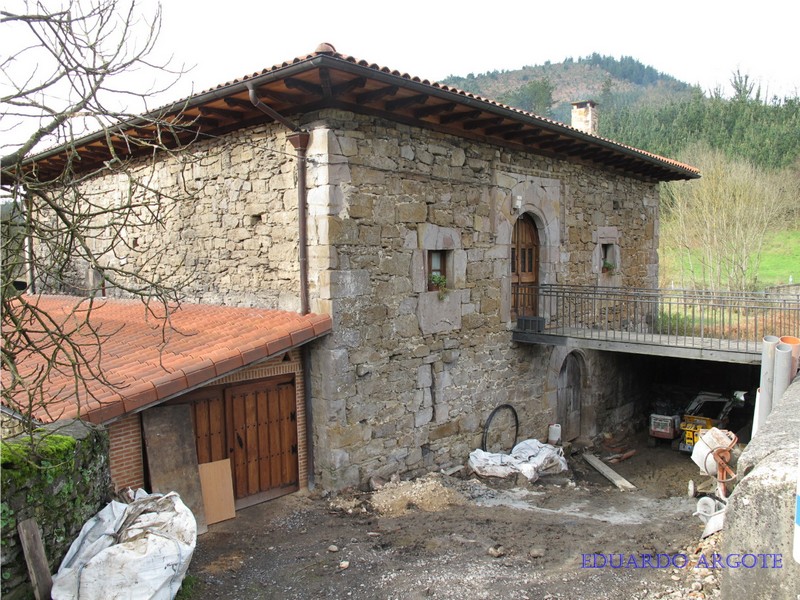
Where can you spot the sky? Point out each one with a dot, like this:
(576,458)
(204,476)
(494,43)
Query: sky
(699,41)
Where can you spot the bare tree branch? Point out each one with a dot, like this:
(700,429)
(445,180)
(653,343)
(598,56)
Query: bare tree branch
(59,233)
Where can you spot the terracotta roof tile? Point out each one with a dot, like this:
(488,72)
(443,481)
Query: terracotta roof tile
(148,361)
(447,88)
(199,371)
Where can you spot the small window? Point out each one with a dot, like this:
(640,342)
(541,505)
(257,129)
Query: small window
(437,269)
(609,258)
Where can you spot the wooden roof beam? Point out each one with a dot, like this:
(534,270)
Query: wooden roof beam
(540,139)
(552,142)
(222,112)
(479,123)
(434,109)
(374,95)
(404,102)
(95,153)
(563,145)
(263,93)
(499,129)
(298,84)
(522,133)
(325,81)
(193,121)
(349,86)
(462,116)
(584,151)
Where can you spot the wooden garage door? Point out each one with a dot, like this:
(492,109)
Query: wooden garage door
(255,425)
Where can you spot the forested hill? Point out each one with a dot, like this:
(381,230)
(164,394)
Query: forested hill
(549,89)
(651,110)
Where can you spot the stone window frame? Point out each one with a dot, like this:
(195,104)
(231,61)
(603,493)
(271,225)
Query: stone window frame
(607,249)
(432,237)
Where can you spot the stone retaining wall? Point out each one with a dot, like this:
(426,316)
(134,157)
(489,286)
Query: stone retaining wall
(61,491)
(761,511)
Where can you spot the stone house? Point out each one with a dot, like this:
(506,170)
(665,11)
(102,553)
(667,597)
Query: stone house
(331,185)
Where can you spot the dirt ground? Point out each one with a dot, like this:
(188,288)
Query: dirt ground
(462,536)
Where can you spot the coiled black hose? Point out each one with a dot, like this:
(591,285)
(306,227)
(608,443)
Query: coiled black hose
(489,421)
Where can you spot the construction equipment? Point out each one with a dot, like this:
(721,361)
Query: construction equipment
(712,453)
(707,410)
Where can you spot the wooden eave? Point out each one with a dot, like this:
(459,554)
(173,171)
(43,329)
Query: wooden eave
(331,81)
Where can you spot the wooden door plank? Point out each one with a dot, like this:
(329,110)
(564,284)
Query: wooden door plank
(216,481)
(217,428)
(35,558)
(202,433)
(251,429)
(609,473)
(275,441)
(263,441)
(237,442)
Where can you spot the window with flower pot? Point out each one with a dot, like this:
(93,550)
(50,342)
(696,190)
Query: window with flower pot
(609,257)
(437,269)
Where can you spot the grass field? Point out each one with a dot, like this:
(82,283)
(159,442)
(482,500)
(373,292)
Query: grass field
(780,261)
(781,258)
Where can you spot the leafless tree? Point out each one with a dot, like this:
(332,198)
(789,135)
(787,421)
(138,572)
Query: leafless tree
(719,223)
(65,85)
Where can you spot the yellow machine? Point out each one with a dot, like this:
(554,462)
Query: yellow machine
(707,410)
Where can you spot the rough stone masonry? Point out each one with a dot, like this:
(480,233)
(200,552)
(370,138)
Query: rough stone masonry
(405,382)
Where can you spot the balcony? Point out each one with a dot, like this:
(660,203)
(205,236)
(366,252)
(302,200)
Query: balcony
(696,324)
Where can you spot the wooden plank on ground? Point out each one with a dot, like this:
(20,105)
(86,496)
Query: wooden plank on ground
(609,473)
(172,456)
(33,549)
(217,484)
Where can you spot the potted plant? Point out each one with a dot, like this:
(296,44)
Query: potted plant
(608,267)
(438,283)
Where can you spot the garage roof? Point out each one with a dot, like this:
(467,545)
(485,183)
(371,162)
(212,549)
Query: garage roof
(136,358)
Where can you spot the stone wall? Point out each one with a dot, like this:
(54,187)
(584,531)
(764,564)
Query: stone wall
(417,376)
(228,220)
(62,488)
(406,380)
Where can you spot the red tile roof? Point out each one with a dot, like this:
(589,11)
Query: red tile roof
(138,358)
(326,49)
(325,58)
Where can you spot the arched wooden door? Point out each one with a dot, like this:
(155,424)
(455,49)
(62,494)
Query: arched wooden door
(569,398)
(525,267)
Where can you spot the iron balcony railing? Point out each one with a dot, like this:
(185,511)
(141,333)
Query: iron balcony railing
(723,321)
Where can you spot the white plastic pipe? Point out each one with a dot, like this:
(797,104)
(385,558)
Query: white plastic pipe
(756,421)
(795,344)
(767,379)
(783,367)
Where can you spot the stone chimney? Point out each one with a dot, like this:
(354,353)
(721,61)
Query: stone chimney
(585,116)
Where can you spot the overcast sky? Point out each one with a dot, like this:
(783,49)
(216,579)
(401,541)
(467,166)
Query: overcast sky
(700,42)
(697,41)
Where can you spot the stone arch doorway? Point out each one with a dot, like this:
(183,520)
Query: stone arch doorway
(568,397)
(525,250)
